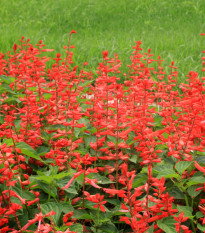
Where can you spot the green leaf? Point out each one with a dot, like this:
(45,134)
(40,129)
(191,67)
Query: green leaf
(81,214)
(11,100)
(112,138)
(175,192)
(114,202)
(133,158)
(182,166)
(61,228)
(89,139)
(6,88)
(17,124)
(186,209)
(139,180)
(100,179)
(67,208)
(7,79)
(169,160)
(108,227)
(71,191)
(84,120)
(1,119)
(56,207)
(192,191)
(42,150)
(77,132)
(151,229)
(199,214)
(200,159)
(60,175)
(158,119)
(104,216)
(196,180)
(47,188)
(28,150)
(82,151)
(8,142)
(168,173)
(200,227)
(47,179)
(62,183)
(46,136)
(23,193)
(93,130)
(76,228)
(167,225)
(166,135)
(50,178)
(47,96)
(23,219)
(162,167)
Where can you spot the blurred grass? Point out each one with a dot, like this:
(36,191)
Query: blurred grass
(171,28)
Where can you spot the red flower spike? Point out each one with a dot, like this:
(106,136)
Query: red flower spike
(73,31)
(199,167)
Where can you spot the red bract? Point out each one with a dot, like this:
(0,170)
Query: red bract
(96,199)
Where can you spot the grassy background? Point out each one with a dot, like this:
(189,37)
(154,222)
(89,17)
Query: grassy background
(171,28)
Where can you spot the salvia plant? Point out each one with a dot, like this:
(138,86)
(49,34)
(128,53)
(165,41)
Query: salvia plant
(84,151)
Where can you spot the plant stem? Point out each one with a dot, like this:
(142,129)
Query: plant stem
(187,204)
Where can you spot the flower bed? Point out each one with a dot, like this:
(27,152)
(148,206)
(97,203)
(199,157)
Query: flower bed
(80,153)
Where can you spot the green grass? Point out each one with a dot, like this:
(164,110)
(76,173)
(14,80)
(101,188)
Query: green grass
(171,28)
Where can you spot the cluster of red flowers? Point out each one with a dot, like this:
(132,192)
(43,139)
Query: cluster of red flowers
(122,145)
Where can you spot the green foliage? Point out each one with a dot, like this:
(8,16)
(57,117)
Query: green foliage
(167,225)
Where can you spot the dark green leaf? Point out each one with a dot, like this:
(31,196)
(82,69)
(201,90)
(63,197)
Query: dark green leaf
(7,79)
(76,228)
(47,188)
(67,208)
(46,136)
(11,100)
(100,179)
(167,225)
(23,193)
(1,118)
(199,214)
(200,227)
(89,139)
(133,158)
(201,159)
(108,227)
(28,150)
(62,183)
(81,214)
(139,180)
(77,132)
(42,150)
(151,229)
(175,192)
(56,207)
(6,88)
(17,124)
(168,173)
(23,219)
(196,180)
(192,191)
(112,139)
(182,166)
(186,209)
